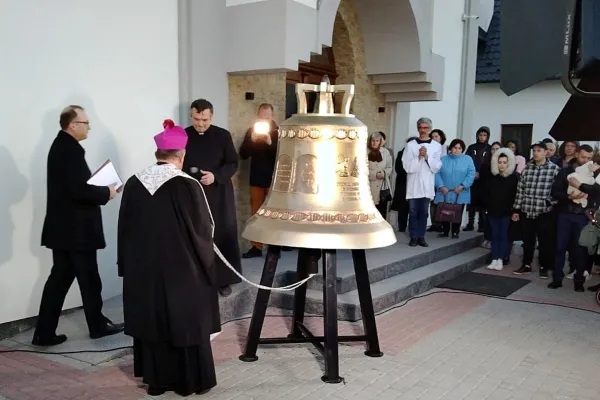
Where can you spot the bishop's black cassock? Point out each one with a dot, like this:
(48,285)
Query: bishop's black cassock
(214,151)
(170,300)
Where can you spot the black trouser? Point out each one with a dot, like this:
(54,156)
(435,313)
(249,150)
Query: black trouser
(568,229)
(472,210)
(382,208)
(69,265)
(542,228)
(447,227)
(487,229)
(403,216)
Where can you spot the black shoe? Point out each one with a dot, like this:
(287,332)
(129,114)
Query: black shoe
(108,330)
(579,287)
(506,261)
(421,242)
(469,228)
(49,341)
(225,291)
(524,270)
(413,242)
(554,285)
(543,274)
(443,235)
(155,391)
(253,253)
(455,236)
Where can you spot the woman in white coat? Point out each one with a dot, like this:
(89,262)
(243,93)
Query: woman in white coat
(380,170)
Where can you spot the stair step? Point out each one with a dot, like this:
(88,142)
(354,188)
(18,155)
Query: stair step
(393,290)
(392,261)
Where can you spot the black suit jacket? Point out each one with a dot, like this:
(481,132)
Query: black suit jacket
(73,217)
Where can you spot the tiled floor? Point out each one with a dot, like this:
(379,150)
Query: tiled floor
(449,346)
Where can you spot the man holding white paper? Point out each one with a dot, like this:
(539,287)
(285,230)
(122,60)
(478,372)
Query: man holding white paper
(73,231)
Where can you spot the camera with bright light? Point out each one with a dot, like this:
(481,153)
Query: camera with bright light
(262,127)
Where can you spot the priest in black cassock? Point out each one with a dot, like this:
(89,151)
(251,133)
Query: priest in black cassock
(212,159)
(166,258)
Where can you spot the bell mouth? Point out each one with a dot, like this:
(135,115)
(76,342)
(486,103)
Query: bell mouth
(314,235)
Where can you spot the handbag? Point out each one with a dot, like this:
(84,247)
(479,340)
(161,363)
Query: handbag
(590,234)
(449,212)
(385,194)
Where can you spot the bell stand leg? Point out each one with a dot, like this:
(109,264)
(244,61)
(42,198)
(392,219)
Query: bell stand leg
(330,323)
(299,295)
(261,304)
(366,303)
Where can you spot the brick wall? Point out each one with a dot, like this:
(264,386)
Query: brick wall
(267,88)
(350,64)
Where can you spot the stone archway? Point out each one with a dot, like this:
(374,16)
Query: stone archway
(395,40)
(350,56)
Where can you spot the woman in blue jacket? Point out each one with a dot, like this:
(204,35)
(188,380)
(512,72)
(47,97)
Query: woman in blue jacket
(453,182)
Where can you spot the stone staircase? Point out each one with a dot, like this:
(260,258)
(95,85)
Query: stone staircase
(417,271)
(396,273)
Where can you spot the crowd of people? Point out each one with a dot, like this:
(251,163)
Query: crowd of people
(176,210)
(509,196)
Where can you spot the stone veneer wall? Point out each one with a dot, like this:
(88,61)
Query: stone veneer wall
(267,88)
(349,53)
(351,66)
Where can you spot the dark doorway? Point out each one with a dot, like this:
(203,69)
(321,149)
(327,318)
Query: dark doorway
(521,134)
(311,72)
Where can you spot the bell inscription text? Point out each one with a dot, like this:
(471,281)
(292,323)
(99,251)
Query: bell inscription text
(304,176)
(283,174)
(349,191)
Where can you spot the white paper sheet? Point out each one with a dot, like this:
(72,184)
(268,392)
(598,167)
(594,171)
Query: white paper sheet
(106,175)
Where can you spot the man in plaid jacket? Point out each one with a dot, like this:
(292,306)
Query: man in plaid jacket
(534,207)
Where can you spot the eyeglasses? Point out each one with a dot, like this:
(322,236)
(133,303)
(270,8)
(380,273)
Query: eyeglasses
(83,123)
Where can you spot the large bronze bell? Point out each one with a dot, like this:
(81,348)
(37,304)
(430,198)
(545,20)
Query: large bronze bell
(320,196)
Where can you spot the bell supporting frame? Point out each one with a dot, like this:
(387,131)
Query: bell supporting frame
(328,344)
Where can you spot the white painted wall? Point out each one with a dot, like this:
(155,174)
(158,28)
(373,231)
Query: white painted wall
(447,42)
(203,34)
(539,105)
(116,58)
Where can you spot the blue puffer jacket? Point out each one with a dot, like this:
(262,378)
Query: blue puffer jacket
(456,170)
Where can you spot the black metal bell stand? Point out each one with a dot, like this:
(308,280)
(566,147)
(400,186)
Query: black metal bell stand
(327,344)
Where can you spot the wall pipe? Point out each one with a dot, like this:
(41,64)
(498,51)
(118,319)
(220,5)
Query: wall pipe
(467,71)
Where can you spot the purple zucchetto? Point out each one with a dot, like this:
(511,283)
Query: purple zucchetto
(172,138)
